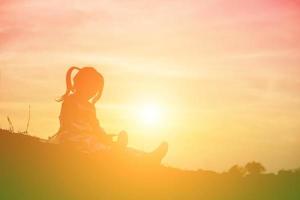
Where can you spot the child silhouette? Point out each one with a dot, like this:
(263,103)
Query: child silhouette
(79,125)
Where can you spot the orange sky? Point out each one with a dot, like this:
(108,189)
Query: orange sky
(225,73)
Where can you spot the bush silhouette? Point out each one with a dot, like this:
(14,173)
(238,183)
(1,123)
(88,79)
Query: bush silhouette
(237,171)
(254,168)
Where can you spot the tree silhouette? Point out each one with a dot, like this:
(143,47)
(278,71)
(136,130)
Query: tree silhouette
(254,168)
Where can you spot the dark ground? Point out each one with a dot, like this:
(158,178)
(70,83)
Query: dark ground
(33,169)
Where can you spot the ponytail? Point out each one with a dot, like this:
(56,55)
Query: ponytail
(68,83)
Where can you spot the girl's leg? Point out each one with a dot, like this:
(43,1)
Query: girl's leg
(155,156)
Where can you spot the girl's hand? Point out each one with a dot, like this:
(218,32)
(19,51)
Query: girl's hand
(107,139)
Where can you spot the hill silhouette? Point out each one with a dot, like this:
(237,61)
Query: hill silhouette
(31,168)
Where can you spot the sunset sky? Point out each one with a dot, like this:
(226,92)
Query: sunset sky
(224,74)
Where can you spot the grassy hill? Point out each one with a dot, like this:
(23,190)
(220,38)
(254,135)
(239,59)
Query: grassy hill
(31,168)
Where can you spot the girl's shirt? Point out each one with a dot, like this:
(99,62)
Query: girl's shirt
(77,117)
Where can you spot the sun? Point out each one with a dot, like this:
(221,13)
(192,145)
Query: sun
(150,114)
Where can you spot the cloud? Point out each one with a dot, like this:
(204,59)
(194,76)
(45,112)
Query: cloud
(158,28)
(160,37)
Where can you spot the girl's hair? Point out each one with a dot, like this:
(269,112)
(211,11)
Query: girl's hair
(85,75)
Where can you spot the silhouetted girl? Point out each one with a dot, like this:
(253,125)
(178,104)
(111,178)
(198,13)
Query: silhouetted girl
(78,122)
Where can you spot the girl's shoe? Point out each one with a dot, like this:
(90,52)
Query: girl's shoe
(160,152)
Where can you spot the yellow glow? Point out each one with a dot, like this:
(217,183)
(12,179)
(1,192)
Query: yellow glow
(150,114)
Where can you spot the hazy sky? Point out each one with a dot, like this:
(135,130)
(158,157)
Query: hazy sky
(225,73)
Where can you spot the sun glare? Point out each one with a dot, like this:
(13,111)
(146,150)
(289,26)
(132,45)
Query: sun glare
(150,114)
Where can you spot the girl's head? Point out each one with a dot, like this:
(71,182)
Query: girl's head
(87,84)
